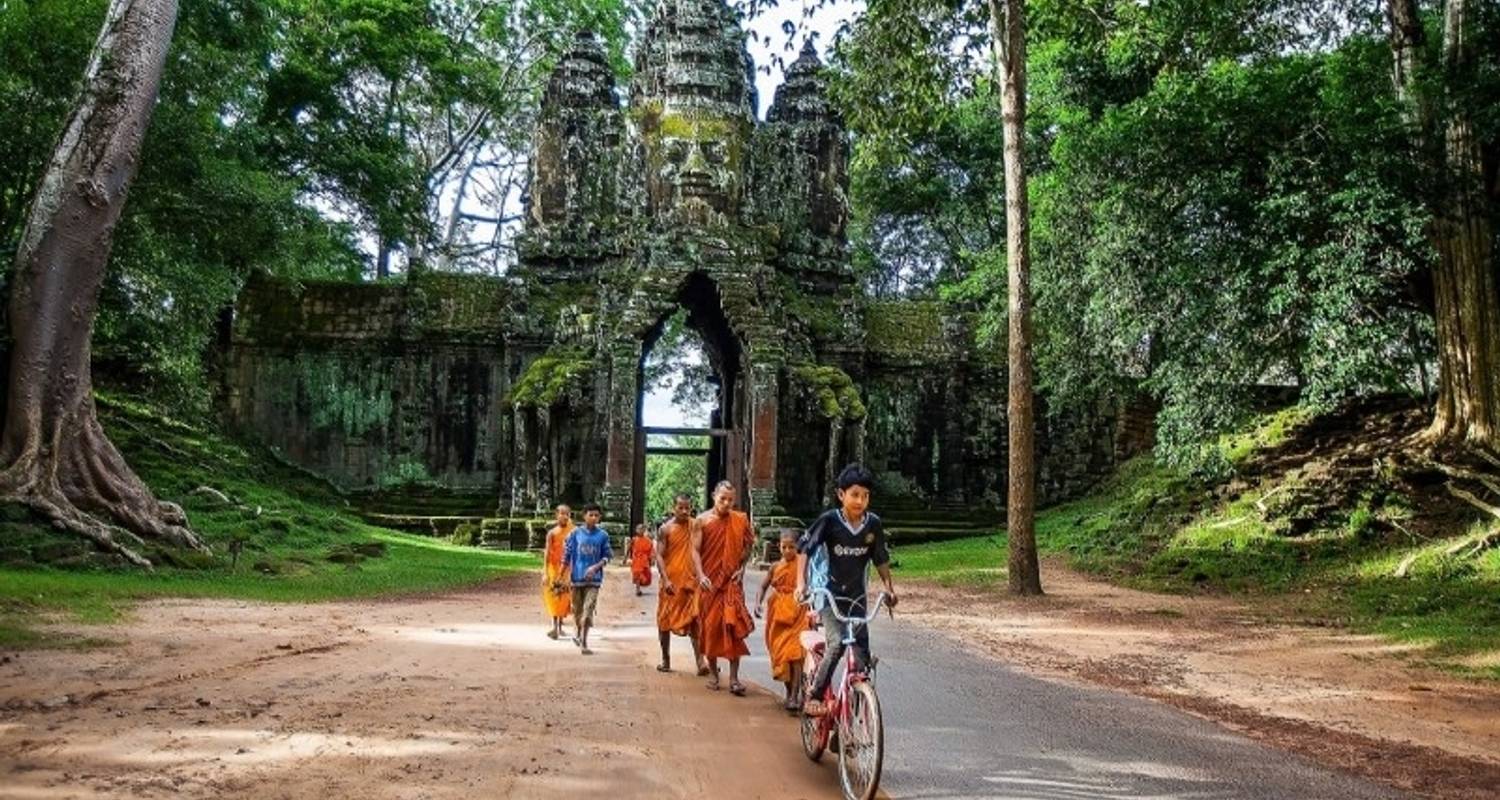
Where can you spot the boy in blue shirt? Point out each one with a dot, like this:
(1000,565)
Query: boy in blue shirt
(584,556)
(842,544)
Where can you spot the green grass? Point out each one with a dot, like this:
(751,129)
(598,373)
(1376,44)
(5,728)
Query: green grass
(1151,528)
(299,540)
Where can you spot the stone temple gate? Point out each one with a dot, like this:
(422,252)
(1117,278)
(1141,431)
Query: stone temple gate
(514,393)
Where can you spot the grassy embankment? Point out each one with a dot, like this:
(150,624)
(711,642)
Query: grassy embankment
(1319,511)
(299,540)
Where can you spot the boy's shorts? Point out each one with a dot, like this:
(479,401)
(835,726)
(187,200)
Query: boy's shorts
(585,598)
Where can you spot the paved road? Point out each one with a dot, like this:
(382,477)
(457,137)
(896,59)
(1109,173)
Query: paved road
(959,726)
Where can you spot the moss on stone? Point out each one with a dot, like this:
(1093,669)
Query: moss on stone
(833,392)
(548,378)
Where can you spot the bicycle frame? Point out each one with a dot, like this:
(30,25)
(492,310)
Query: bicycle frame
(852,671)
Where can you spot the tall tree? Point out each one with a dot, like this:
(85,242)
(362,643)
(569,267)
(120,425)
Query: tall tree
(56,458)
(1008,21)
(1465,302)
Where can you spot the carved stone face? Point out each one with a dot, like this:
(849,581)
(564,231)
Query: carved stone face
(695,169)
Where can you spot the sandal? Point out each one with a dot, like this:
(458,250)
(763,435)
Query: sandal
(713,685)
(663,668)
(737,689)
(587,651)
(551,634)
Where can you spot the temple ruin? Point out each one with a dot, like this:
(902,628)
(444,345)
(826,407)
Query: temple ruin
(512,394)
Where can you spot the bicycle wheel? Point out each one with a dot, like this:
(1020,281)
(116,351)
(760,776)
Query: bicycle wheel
(815,730)
(861,744)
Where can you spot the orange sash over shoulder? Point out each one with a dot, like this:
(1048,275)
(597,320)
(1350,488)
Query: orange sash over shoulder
(640,560)
(724,620)
(555,599)
(785,621)
(677,611)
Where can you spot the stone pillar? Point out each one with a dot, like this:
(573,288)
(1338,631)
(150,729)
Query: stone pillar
(543,460)
(835,451)
(624,394)
(765,395)
(520,496)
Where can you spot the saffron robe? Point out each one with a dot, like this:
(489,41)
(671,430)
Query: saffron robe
(555,599)
(640,560)
(678,611)
(786,619)
(724,621)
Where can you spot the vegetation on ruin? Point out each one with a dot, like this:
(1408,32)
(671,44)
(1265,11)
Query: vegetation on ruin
(549,378)
(831,390)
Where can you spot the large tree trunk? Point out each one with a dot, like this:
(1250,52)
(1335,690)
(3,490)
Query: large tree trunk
(1009,28)
(1465,299)
(55,456)
(1467,305)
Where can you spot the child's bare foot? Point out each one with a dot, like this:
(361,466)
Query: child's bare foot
(552,634)
(663,667)
(587,651)
(713,685)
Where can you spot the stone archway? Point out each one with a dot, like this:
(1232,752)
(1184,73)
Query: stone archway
(746,404)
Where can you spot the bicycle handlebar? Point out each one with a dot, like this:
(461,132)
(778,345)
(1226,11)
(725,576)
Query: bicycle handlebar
(880,600)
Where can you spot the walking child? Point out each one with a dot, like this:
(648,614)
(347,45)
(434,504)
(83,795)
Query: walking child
(785,620)
(641,549)
(585,555)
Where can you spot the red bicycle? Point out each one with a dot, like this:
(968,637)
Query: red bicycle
(852,723)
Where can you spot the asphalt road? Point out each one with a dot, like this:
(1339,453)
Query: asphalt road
(960,726)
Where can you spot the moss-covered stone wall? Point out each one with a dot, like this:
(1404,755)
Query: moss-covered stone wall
(375,385)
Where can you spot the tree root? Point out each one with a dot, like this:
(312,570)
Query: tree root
(82,484)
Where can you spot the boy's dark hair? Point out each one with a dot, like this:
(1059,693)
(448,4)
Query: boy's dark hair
(682,498)
(593,507)
(856,475)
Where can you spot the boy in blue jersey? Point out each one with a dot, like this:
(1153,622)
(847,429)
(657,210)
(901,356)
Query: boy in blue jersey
(842,544)
(584,556)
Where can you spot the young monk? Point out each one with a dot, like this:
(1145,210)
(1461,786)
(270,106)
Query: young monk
(556,598)
(677,604)
(722,544)
(641,548)
(785,620)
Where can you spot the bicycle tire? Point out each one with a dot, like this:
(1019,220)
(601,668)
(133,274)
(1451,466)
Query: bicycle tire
(864,712)
(813,730)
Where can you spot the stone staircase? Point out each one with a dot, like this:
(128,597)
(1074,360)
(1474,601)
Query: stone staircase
(911,520)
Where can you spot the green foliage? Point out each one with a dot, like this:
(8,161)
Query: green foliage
(1223,195)
(668,476)
(832,391)
(548,379)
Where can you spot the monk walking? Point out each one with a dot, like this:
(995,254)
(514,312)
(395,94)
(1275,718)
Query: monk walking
(555,596)
(641,549)
(786,619)
(677,603)
(722,544)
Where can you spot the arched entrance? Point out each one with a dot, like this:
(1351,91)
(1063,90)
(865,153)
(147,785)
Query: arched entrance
(721,441)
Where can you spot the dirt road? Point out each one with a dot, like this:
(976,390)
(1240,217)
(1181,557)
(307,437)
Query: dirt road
(459,695)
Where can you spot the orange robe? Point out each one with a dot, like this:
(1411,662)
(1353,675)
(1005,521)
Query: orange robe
(723,619)
(785,621)
(640,560)
(677,612)
(557,603)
